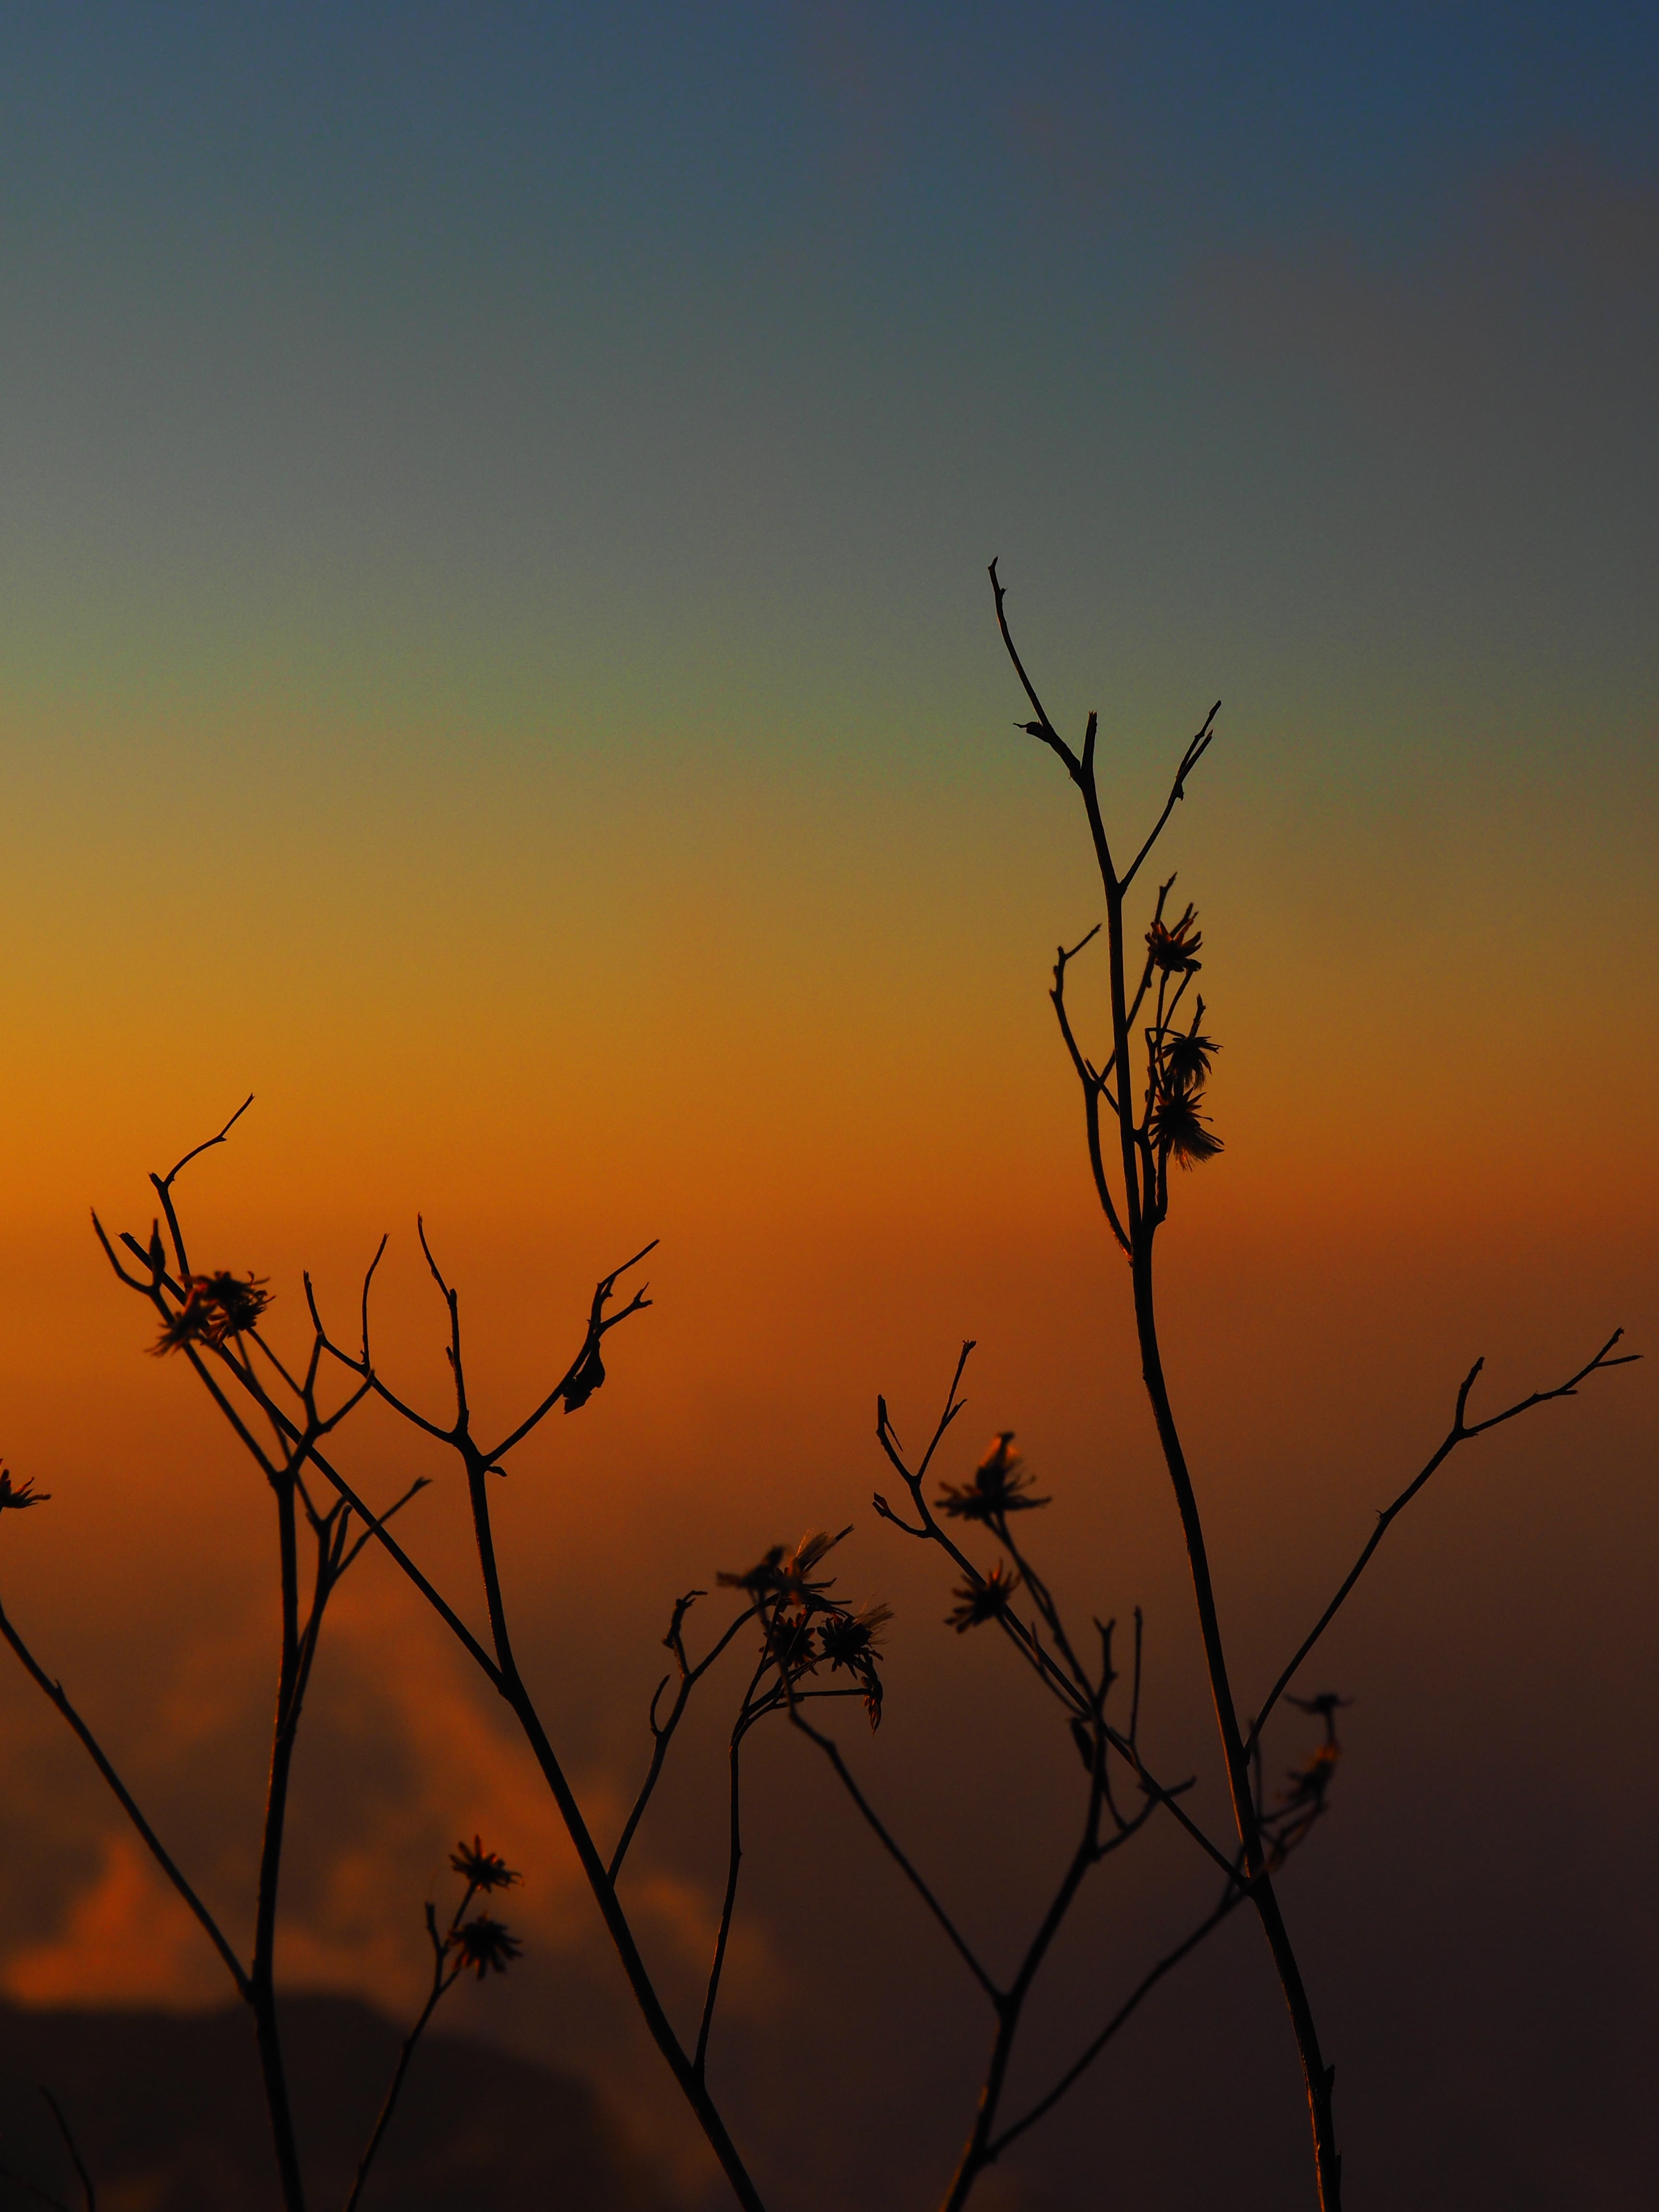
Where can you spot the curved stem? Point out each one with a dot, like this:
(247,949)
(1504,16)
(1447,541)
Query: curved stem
(976,2153)
(261,1991)
(478,1486)
(662,1732)
(1146,1195)
(728,1903)
(622,1935)
(511,1684)
(832,1752)
(442,1982)
(1460,1432)
(1142,1990)
(124,1799)
(1317,2076)
(88,2194)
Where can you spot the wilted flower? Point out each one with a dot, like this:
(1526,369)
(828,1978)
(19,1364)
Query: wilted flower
(484,1944)
(811,1548)
(19,1494)
(999,1487)
(1175,949)
(217,1306)
(482,1869)
(978,1603)
(590,1373)
(1177,1127)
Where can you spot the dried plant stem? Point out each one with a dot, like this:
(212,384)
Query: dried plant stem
(295,1440)
(1317,2075)
(688,2072)
(657,2021)
(1134,1209)
(299,1434)
(443,1980)
(1142,1990)
(41,2195)
(500,1666)
(441,1984)
(976,2153)
(262,1986)
(662,1732)
(510,1686)
(88,2194)
(729,1896)
(1460,1432)
(57,1695)
(1135,1221)
(884,1835)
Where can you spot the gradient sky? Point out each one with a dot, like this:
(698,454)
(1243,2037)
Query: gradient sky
(497,660)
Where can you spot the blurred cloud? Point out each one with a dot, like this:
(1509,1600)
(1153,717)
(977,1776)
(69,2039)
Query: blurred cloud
(127,1939)
(398,1762)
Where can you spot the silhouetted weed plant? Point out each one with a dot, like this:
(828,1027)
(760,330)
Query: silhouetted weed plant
(797,1647)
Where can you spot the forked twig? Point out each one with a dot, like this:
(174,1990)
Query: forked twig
(883,1835)
(1119,2019)
(1460,1432)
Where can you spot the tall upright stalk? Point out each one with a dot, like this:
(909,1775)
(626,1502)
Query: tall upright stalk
(1317,2076)
(1144,1162)
(262,1983)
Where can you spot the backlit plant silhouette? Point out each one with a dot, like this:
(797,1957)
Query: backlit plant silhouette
(212,1320)
(798,1650)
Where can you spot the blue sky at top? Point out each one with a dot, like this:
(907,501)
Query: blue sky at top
(647,349)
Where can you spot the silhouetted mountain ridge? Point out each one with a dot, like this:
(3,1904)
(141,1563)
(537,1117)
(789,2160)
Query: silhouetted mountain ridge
(167,2114)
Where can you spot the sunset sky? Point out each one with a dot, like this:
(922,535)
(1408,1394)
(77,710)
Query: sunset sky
(498,663)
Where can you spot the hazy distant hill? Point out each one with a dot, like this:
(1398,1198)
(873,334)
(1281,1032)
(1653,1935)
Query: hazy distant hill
(166,2111)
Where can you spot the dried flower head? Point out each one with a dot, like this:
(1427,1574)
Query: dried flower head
(217,1306)
(1187,1055)
(1177,1128)
(1175,949)
(978,1603)
(484,1945)
(482,1869)
(788,1641)
(19,1495)
(1000,1486)
(852,1640)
